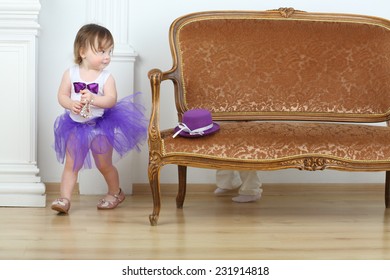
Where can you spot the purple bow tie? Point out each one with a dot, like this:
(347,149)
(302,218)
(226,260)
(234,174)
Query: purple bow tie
(93,87)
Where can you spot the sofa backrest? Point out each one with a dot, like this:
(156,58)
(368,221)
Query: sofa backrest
(282,64)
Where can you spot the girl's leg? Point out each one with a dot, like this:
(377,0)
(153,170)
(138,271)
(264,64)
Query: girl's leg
(114,194)
(102,154)
(68,181)
(110,173)
(69,178)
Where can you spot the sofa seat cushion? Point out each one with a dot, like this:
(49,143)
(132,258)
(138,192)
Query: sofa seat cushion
(270,141)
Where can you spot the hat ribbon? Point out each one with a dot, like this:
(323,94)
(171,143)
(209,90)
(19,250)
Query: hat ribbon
(198,131)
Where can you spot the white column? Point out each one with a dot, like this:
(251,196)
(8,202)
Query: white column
(113,14)
(20,184)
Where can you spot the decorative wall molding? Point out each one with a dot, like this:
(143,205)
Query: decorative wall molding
(114,14)
(19,16)
(20,184)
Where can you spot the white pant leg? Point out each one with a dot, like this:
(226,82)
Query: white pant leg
(228,179)
(251,184)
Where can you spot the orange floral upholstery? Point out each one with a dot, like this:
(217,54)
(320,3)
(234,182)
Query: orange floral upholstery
(255,65)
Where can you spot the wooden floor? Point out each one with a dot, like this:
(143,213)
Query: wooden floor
(289,222)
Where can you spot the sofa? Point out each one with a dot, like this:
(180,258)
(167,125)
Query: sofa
(287,88)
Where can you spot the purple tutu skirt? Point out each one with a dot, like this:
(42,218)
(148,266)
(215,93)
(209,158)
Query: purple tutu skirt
(121,129)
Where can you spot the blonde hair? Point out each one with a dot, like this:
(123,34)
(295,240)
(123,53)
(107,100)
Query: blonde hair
(93,35)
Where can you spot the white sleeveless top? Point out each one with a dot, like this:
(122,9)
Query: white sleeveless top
(74,72)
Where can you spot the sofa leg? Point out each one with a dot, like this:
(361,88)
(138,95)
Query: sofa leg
(154,181)
(181,194)
(387,190)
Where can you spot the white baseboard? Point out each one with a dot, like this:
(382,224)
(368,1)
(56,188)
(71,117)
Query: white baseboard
(144,188)
(22,195)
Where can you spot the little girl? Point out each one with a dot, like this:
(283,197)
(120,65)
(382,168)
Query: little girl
(94,125)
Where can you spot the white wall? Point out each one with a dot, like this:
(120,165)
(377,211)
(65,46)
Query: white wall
(149,24)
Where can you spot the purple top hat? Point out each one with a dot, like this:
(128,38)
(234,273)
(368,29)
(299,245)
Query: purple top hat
(196,123)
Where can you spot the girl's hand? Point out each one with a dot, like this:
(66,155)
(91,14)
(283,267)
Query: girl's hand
(86,96)
(76,107)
